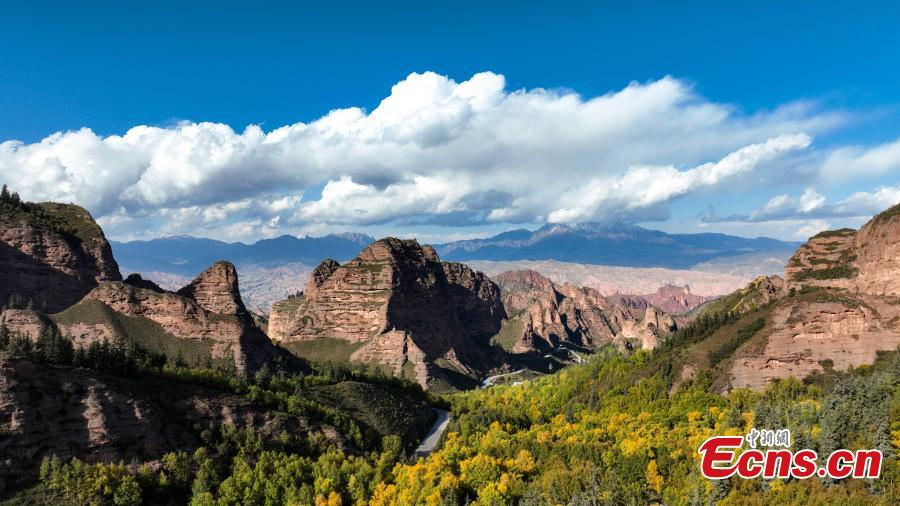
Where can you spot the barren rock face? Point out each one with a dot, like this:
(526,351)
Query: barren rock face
(552,314)
(839,307)
(216,289)
(404,308)
(54,258)
(833,328)
(878,247)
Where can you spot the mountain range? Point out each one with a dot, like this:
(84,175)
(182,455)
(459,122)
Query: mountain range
(588,254)
(184,255)
(616,244)
(588,243)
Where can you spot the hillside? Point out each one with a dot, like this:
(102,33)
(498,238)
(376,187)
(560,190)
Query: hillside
(96,370)
(838,308)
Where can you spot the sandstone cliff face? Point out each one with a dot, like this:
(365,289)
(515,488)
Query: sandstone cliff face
(216,290)
(209,308)
(46,410)
(878,250)
(839,306)
(402,308)
(824,329)
(52,255)
(545,315)
(828,259)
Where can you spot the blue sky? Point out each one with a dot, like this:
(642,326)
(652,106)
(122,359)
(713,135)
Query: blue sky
(735,76)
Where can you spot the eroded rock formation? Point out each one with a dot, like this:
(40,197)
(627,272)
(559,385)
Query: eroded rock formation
(838,307)
(51,255)
(544,315)
(209,309)
(403,308)
(675,299)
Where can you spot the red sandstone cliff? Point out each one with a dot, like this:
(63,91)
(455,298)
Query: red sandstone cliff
(399,306)
(51,255)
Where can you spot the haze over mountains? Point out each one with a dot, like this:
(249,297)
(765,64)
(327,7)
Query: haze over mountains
(611,258)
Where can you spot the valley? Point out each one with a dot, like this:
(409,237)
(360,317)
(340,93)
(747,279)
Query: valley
(408,379)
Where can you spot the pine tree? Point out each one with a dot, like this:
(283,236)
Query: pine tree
(4,195)
(4,336)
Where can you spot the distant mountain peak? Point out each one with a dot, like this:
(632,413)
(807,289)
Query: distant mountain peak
(609,243)
(356,237)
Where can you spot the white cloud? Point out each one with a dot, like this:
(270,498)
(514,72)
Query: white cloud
(433,147)
(811,228)
(642,188)
(853,162)
(812,205)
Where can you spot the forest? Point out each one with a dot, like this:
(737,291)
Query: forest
(610,431)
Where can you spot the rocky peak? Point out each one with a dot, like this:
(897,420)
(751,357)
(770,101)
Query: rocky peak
(401,307)
(544,315)
(524,279)
(52,254)
(325,269)
(135,279)
(828,259)
(216,289)
(865,261)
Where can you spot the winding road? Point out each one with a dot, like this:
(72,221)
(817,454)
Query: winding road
(434,435)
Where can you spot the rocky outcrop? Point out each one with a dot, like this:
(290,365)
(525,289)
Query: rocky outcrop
(544,315)
(136,280)
(819,330)
(838,307)
(47,410)
(827,259)
(867,261)
(216,290)
(24,322)
(878,254)
(403,308)
(208,309)
(51,255)
(675,299)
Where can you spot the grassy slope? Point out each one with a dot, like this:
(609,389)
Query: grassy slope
(510,332)
(149,333)
(325,349)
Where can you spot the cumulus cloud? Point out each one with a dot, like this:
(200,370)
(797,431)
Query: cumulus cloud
(645,188)
(433,148)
